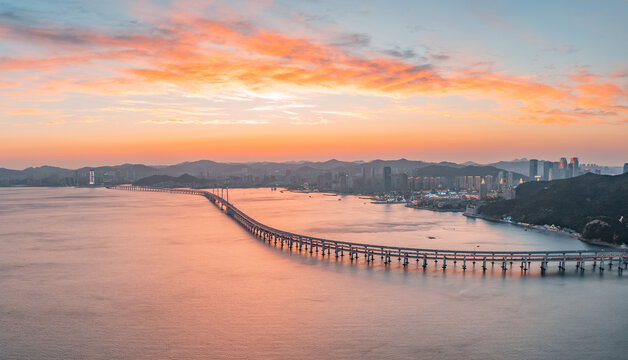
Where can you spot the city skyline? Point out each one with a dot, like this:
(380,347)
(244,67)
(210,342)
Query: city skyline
(164,82)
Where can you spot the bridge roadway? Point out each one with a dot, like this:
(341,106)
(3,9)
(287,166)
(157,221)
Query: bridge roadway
(583,259)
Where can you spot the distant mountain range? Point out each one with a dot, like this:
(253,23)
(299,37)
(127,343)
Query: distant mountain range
(596,206)
(207,169)
(467,170)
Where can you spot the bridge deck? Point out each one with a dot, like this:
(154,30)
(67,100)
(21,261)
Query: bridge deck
(601,258)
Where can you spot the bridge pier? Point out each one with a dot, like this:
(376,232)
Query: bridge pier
(464,263)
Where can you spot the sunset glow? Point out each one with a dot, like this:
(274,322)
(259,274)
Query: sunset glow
(160,82)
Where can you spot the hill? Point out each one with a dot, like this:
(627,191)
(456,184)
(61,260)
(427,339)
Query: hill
(596,206)
(184,180)
(470,170)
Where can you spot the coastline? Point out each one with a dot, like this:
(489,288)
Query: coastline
(435,209)
(544,228)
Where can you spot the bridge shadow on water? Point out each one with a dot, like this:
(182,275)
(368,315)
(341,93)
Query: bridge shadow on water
(343,264)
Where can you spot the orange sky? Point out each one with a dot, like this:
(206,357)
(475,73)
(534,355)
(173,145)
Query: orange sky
(264,84)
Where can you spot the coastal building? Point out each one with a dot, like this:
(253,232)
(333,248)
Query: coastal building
(563,169)
(483,190)
(534,169)
(387,179)
(547,166)
(574,167)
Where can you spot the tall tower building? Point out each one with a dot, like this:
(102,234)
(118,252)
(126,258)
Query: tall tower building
(625,168)
(483,190)
(562,169)
(92,177)
(547,165)
(387,179)
(575,167)
(534,169)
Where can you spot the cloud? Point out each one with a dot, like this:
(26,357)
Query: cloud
(344,113)
(52,122)
(235,60)
(352,40)
(318,121)
(26,112)
(401,53)
(279,107)
(204,122)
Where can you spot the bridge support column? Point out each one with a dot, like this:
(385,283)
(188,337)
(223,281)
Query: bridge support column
(424,261)
(464,263)
(444,262)
(484,264)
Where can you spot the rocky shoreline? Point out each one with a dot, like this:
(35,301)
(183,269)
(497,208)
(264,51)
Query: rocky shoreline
(548,228)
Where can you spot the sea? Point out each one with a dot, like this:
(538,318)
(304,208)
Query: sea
(95,273)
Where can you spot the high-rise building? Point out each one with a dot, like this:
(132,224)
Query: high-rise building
(534,169)
(483,190)
(344,183)
(547,165)
(625,168)
(562,169)
(92,177)
(387,178)
(573,167)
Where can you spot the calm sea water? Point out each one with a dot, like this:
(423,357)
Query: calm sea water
(104,274)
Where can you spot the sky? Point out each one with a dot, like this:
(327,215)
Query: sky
(86,83)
